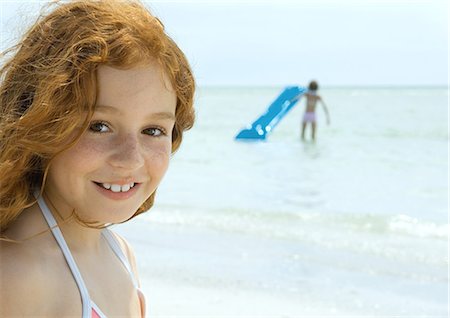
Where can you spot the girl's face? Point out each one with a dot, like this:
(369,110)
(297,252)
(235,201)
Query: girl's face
(120,160)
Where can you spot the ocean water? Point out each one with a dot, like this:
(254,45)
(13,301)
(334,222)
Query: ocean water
(356,223)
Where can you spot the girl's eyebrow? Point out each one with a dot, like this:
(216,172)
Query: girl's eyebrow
(162,115)
(106,109)
(155,115)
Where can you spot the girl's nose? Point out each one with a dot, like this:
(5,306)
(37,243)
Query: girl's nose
(127,154)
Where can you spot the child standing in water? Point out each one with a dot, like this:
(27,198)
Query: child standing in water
(309,116)
(94,100)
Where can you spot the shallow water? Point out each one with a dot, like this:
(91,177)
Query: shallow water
(356,222)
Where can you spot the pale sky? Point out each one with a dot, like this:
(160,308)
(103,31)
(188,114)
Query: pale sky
(339,43)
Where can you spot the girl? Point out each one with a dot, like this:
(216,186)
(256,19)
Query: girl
(309,117)
(93,102)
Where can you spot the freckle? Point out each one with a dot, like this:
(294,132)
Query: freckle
(89,146)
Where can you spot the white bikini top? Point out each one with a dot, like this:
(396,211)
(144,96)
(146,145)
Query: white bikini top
(90,309)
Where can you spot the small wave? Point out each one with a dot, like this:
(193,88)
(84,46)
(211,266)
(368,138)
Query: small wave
(288,223)
(398,237)
(404,224)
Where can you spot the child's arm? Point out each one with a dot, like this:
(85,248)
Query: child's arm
(326,110)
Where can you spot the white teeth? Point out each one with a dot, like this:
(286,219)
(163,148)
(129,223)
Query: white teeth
(118,188)
(125,187)
(115,188)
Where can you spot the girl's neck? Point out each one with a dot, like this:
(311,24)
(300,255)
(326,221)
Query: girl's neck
(76,234)
(31,226)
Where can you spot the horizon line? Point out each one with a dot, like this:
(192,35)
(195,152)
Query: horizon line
(374,86)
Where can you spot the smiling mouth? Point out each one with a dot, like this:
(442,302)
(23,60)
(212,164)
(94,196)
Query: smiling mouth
(116,188)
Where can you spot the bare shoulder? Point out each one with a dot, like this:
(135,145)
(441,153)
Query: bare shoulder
(128,250)
(24,267)
(23,284)
(126,247)
(32,275)
(312,96)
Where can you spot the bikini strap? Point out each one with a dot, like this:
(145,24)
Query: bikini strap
(115,246)
(85,299)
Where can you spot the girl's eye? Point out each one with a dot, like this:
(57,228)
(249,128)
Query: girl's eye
(99,127)
(154,132)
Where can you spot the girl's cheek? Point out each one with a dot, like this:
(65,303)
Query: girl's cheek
(90,147)
(85,154)
(158,154)
(160,147)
